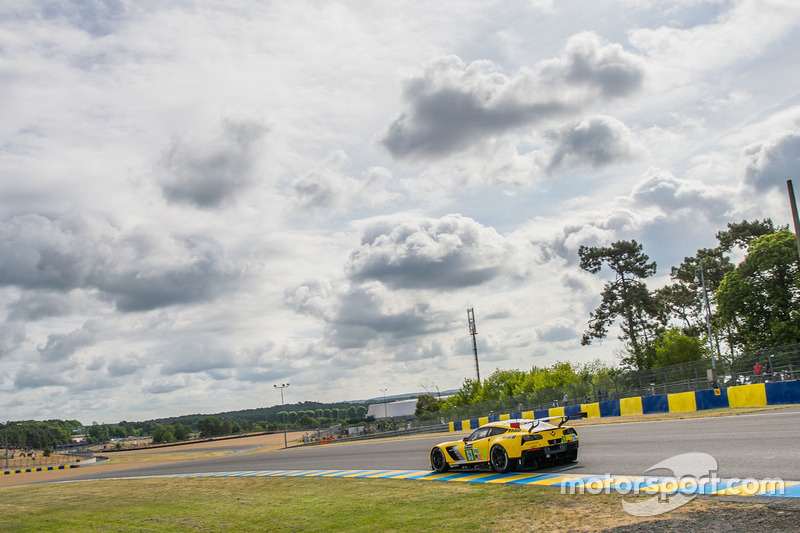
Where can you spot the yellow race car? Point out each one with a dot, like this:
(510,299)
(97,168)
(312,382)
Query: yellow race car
(510,444)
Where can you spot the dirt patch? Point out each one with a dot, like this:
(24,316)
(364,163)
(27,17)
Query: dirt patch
(780,516)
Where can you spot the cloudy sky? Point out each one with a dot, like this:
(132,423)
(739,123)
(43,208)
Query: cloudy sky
(201,199)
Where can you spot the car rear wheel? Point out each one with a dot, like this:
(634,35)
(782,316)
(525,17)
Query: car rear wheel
(572,457)
(500,461)
(438,461)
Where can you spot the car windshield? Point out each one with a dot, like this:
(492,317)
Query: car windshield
(478,434)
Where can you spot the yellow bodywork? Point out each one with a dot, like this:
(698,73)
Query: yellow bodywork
(515,436)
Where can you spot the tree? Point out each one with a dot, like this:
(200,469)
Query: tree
(427,404)
(760,299)
(500,384)
(741,234)
(466,395)
(163,434)
(626,297)
(181,431)
(684,299)
(715,265)
(99,433)
(558,375)
(680,302)
(673,347)
(210,427)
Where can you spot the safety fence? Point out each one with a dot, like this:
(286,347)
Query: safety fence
(778,364)
(752,395)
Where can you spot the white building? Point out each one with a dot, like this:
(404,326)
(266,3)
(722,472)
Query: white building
(402,409)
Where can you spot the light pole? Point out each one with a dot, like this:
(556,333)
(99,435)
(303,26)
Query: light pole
(281,387)
(795,217)
(708,326)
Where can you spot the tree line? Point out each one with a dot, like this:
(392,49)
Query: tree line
(39,434)
(213,426)
(35,434)
(752,305)
(503,383)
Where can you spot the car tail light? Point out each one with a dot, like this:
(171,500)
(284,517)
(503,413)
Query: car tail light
(569,431)
(529,438)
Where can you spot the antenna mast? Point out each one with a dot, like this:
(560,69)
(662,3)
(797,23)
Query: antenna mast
(474,331)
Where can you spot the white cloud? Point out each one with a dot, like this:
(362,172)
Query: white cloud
(201,199)
(12,334)
(453,105)
(61,346)
(768,164)
(326,190)
(558,330)
(138,270)
(209,173)
(594,142)
(125,365)
(741,32)
(447,253)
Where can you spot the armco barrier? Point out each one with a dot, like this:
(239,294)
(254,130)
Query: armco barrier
(753,395)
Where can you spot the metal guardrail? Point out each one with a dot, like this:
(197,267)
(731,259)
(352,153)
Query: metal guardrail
(421,430)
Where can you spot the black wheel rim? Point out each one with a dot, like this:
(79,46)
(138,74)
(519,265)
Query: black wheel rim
(437,458)
(499,458)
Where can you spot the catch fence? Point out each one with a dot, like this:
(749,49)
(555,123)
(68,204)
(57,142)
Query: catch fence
(778,364)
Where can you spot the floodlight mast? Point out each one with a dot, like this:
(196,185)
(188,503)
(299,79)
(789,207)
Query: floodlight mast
(281,387)
(474,331)
(795,218)
(708,325)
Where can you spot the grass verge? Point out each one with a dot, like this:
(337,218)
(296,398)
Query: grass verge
(299,504)
(172,457)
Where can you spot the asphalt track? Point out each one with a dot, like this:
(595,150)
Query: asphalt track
(759,445)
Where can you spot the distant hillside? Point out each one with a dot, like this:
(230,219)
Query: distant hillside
(270,414)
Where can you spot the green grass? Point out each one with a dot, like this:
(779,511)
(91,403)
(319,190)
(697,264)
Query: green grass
(304,504)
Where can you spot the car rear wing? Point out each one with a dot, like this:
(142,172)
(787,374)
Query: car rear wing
(562,419)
